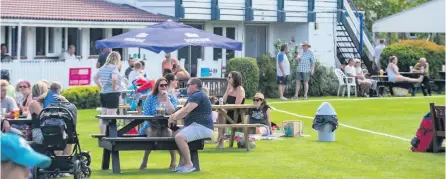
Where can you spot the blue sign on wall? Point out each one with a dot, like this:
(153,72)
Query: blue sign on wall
(205,72)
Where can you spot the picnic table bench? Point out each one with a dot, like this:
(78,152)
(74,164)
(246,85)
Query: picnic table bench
(386,86)
(116,140)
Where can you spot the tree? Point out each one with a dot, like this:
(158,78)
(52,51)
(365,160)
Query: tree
(378,9)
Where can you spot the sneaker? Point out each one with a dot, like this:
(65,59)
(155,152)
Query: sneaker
(295,97)
(178,168)
(306,98)
(283,98)
(186,170)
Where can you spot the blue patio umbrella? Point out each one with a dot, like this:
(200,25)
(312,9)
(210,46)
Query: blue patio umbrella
(168,36)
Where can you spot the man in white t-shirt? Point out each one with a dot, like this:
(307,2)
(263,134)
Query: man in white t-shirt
(378,50)
(283,69)
(350,70)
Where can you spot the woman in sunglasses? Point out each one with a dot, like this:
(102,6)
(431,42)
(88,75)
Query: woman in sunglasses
(235,94)
(24,88)
(159,98)
(260,115)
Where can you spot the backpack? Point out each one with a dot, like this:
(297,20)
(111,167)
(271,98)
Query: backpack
(423,141)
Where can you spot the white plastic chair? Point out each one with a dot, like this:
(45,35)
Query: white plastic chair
(345,81)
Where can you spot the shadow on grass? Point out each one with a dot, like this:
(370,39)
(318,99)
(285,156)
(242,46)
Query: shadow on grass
(224,150)
(137,172)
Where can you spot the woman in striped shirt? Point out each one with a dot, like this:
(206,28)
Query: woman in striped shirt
(108,80)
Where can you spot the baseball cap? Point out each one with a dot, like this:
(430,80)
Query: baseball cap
(17,150)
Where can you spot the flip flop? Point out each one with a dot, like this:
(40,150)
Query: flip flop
(186,170)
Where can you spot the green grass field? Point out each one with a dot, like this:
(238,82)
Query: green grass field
(355,154)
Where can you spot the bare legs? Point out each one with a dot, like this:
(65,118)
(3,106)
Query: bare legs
(185,159)
(296,94)
(413,80)
(221,131)
(281,90)
(103,124)
(153,132)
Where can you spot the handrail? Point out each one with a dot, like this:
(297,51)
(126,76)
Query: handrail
(353,6)
(354,23)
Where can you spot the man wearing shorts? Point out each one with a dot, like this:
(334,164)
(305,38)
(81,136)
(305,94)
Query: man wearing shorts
(305,68)
(283,69)
(198,124)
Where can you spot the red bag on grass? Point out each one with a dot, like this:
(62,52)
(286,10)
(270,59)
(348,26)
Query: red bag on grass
(423,141)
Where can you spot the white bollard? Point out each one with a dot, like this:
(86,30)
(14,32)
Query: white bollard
(325,122)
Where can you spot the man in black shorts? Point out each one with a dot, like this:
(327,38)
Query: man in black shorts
(283,69)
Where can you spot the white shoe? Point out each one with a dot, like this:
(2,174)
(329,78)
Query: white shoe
(283,98)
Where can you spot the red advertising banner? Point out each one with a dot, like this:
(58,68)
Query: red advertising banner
(79,76)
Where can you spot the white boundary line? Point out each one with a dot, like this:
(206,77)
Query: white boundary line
(347,126)
(353,99)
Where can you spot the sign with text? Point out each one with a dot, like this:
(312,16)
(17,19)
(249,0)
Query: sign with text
(79,76)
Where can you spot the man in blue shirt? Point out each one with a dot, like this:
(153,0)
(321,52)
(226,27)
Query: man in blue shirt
(283,69)
(198,122)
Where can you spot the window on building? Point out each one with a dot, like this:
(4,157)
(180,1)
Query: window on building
(191,54)
(118,32)
(230,33)
(95,35)
(11,40)
(218,52)
(46,41)
(40,40)
(71,36)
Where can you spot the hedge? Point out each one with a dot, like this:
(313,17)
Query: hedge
(84,97)
(410,51)
(268,76)
(250,72)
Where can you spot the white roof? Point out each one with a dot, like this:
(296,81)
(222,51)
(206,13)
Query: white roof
(425,18)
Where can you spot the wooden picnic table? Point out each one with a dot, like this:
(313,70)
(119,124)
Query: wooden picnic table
(241,109)
(115,140)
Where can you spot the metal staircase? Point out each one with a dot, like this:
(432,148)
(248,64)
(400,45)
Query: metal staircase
(353,40)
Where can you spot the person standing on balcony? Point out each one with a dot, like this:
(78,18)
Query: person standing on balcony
(69,54)
(283,69)
(378,50)
(103,57)
(5,57)
(305,68)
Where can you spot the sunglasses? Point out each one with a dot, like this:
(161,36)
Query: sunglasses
(163,85)
(23,86)
(257,100)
